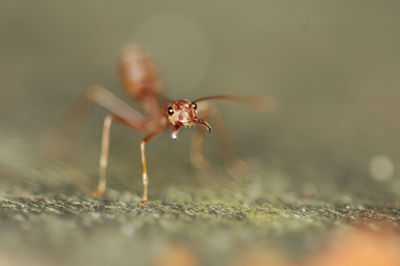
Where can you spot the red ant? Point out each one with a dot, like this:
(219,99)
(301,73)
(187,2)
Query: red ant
(140,78)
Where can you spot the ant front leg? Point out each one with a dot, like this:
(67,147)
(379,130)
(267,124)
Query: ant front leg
(145,177)
(197,151)
(104,156)
(105,141)
(236,167)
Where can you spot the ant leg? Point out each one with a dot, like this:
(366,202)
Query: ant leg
(196,153)
(104,155)
(107,100)
(145,178)
(236,167)
(105,141)
(58,143)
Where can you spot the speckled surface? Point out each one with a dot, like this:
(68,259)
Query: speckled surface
(215,221)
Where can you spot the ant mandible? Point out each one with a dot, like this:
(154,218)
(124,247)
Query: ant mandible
(140,78)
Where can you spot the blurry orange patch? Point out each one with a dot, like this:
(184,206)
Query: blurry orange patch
(259,257)
(176,254)
(360,246)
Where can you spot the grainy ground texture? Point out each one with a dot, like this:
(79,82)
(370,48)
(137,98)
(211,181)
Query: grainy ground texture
(324,185)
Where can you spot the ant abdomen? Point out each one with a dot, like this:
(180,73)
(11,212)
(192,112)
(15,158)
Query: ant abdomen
(138,73)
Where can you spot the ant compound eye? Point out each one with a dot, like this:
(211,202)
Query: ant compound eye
(194,106)
(170,110)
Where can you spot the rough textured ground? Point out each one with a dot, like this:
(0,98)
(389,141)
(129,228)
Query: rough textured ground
(81,230)
(213,222)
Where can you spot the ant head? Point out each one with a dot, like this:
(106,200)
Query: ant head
(183,113)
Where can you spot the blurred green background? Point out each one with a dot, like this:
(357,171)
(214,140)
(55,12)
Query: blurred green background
(333,66)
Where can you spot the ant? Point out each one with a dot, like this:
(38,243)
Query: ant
(140,78)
